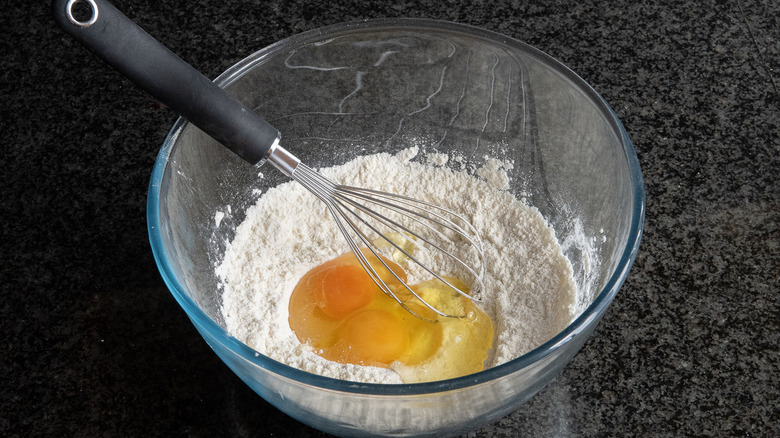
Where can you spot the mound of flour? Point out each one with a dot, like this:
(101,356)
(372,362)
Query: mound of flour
(529,291)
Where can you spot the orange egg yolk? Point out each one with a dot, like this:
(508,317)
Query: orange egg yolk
(337,309)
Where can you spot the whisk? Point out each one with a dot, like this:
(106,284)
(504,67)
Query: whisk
(368,219)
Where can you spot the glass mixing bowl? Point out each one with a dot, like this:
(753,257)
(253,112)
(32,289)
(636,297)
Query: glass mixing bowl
(366,87)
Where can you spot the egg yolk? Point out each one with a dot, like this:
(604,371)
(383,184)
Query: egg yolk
(338,310)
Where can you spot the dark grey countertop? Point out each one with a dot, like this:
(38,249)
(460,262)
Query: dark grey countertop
(93,343)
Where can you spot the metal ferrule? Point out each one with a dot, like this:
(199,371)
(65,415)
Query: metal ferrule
(282,159)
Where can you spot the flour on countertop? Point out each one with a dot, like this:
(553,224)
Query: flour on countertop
(528,289)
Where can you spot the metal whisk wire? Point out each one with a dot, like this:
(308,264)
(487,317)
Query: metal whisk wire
(357,213)
(344,192)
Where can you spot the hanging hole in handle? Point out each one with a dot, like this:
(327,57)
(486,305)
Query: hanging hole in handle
(82,13)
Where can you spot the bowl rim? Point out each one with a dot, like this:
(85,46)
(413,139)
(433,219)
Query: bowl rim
(593,312)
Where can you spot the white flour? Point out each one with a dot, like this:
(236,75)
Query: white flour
(529,289)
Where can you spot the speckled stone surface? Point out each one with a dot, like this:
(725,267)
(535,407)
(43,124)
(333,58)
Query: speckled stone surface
(94,345)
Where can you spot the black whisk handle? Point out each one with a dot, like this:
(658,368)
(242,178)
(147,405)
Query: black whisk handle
(102,28)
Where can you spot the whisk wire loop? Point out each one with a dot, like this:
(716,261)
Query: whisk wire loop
(355,219)
(391,223)
(370,269)
(334,207)
(414,213)
(371,245)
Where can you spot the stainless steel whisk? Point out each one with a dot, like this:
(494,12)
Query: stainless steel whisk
(367,218)
(359,214)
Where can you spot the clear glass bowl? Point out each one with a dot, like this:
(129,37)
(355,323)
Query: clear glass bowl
(366,87)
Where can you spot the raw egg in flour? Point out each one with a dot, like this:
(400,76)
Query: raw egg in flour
(338,310)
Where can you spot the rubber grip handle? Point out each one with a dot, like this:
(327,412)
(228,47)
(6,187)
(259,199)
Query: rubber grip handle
(151,66)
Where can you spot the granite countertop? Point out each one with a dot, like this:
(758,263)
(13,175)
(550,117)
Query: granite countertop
(94,344)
